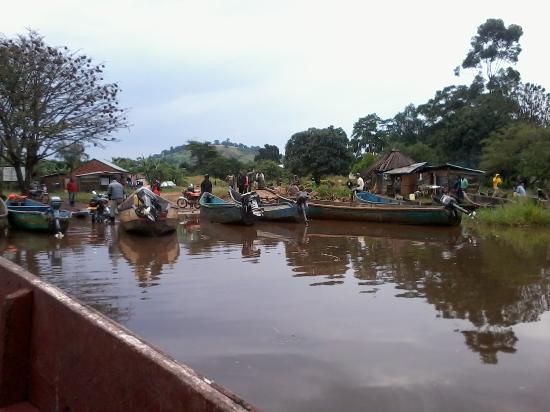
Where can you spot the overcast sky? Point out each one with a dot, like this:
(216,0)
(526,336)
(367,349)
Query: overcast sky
(258,71)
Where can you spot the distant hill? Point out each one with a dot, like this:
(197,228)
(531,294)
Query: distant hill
(180,154)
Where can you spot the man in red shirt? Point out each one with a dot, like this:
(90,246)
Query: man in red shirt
(72,189)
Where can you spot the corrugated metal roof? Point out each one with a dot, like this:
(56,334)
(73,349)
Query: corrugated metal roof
(457,168)
(406,169)
(113,166)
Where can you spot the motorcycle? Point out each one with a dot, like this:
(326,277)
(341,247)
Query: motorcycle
(98,206)
(189,197)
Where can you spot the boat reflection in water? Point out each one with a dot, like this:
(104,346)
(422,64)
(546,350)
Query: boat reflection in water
(148,256)
(446,267)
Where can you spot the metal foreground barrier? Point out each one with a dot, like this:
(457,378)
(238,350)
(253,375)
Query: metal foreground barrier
(59,355)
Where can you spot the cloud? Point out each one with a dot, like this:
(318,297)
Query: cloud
(258,72)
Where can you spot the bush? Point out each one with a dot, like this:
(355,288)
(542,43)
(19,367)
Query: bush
(516,214)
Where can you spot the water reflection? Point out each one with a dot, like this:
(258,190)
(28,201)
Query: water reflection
(147,258)
(492,280)
(462,274)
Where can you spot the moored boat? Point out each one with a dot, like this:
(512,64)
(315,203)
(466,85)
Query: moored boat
(371,198)
(216,210)
(27,214)
(277,210)
(3,214)
(402,214)
(145,213)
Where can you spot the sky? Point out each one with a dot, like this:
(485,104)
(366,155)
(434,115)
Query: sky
(257,72)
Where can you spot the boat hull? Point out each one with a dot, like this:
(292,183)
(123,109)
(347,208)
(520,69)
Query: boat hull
(132,223)
(37,217)
(369,198)
(281,212)
(410,215)
(215,210)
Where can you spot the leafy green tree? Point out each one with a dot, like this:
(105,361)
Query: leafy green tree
(270,169)
(202,154)
(493,47)
(368,135)
(131,165)
(73,155)
(318,152)
(268,152)
(364,163)
(50,99)
(533,104)
(220,167)
(520,149)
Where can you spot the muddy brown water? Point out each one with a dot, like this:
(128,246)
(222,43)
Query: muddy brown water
(338,316)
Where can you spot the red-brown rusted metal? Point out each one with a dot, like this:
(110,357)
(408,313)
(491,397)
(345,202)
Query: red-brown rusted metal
(83,361)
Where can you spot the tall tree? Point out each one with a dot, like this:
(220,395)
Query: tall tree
(368,135)
(268,152)
(520,149)
(319,152)
(202,154)
(493,47)
(533,104)
(50,99)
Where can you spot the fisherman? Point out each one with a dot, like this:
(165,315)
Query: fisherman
(206,185)
(497,180)
(115,193)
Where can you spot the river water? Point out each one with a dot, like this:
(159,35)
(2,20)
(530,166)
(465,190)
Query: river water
(338,316)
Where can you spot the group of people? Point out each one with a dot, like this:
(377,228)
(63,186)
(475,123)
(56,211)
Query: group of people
(519,190)
(246,182)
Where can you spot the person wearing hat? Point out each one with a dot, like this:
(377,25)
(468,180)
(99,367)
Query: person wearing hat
(206,185)
(497,180)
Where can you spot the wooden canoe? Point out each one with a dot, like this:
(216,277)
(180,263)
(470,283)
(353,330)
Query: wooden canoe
(27,214)
(402,214)
(216,210)
(276,209)
(133,219)
(370,198)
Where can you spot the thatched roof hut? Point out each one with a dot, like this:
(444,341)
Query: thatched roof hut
(392,160)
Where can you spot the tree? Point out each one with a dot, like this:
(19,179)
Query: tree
(202,154)
(368,134)
(126,163)
(73,155)
(318,152)
(494,46)
(533,104)
(271,170)
(364,163)
(220,167)
(268,152)
(520,149)
(50,99)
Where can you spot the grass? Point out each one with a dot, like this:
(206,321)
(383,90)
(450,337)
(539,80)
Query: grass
(515,214)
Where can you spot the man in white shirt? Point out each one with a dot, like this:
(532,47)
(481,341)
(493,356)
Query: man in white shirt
(360,183)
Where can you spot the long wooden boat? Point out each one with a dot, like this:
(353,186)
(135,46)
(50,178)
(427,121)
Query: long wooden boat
(145,213)
(61,355)
(277,210)
(478,200)
(216,210)
(403,214)
(28,214)
(3,214)
(371,198)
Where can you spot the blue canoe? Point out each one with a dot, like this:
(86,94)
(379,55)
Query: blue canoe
(27,214)
(366,197)
(216,210)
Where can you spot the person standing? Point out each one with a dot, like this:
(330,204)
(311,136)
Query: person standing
(206,185)
(72,189)
(497,181)
(115,193)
